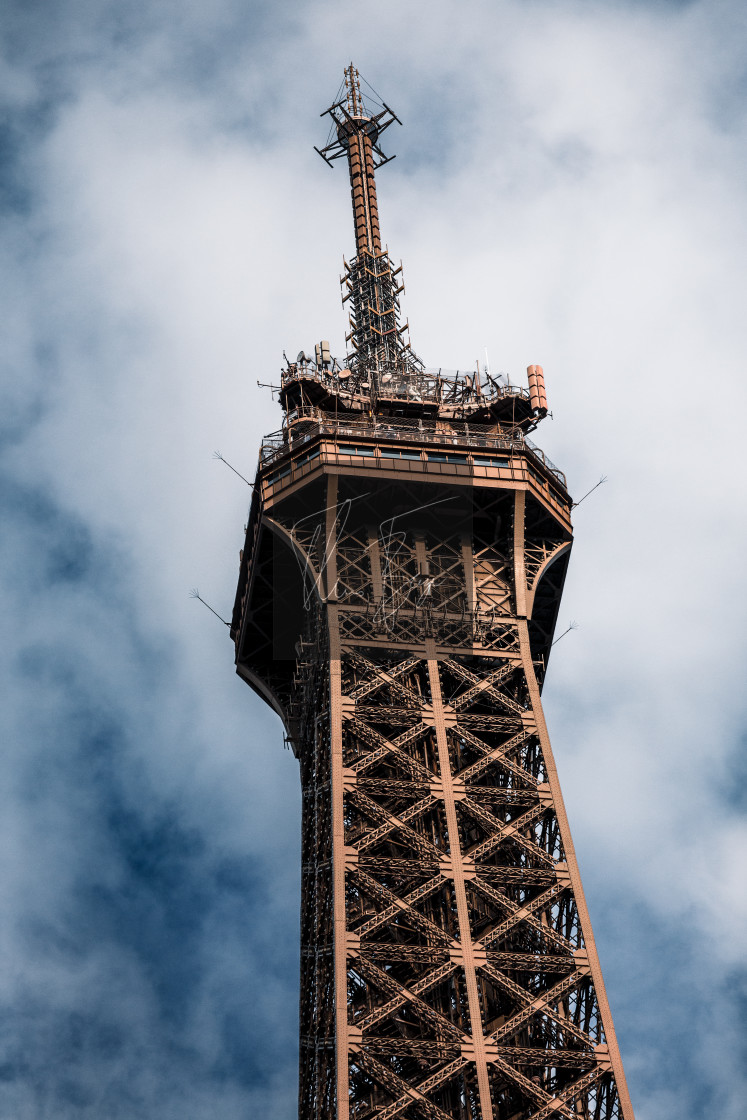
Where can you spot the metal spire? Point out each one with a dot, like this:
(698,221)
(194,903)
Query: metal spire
(379,348)
(398,592)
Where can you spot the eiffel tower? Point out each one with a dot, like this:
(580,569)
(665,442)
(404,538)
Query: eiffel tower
(398,592)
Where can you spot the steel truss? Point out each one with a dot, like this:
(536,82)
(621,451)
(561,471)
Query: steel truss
(448,963)
(400,623)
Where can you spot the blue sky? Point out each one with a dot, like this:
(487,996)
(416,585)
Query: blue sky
(569,190)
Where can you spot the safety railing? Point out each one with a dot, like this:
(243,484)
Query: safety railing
(297,435)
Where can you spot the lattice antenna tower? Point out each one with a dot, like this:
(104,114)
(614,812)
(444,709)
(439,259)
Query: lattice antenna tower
(398,593)
(380,353)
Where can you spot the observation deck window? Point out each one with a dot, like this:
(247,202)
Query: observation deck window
(344,449)
(307,458)
(277,475)
(446,457)
(395,453)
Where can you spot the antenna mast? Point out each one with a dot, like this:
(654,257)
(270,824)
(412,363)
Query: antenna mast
(378,347)
(360,152)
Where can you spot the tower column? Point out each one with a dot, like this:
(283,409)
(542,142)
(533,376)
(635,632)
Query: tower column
(610,1052)
(338,868)
(339,920)
(458,878)
(399,587)
(520,584)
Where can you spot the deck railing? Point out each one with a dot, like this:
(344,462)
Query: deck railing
(307,423)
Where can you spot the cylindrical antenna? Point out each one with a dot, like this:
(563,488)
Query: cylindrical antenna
(359,143)
(537,397)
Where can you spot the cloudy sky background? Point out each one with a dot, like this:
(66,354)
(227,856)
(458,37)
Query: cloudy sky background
(569,190)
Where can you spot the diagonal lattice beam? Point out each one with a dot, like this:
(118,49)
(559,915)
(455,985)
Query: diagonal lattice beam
(392,822)
(394,904)
(435,1081)
(522,913)
(383,678)
(505,830)
(406,994)
(543,1004)
(409,1095)
(486,685)
(539,1004)
(581,1086)
(493,755)
(383,747)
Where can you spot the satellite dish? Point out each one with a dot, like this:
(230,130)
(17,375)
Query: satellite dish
(302,359)
(344,374)
(386,378)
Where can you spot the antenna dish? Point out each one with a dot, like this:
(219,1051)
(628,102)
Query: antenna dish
(301,357)
(344,374)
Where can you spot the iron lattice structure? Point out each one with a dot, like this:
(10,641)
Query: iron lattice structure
(379,347)
(399,586)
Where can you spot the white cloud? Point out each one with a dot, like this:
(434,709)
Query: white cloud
(570,190)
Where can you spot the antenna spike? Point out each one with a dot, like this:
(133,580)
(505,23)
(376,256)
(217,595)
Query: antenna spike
(195,594)
(586,495)
(217,455)
(573,626)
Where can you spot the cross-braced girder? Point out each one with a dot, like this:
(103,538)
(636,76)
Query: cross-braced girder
(448,966)
(399,589)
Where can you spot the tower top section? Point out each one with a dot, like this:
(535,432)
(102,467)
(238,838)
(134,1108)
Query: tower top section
(355,133)
(381,374)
